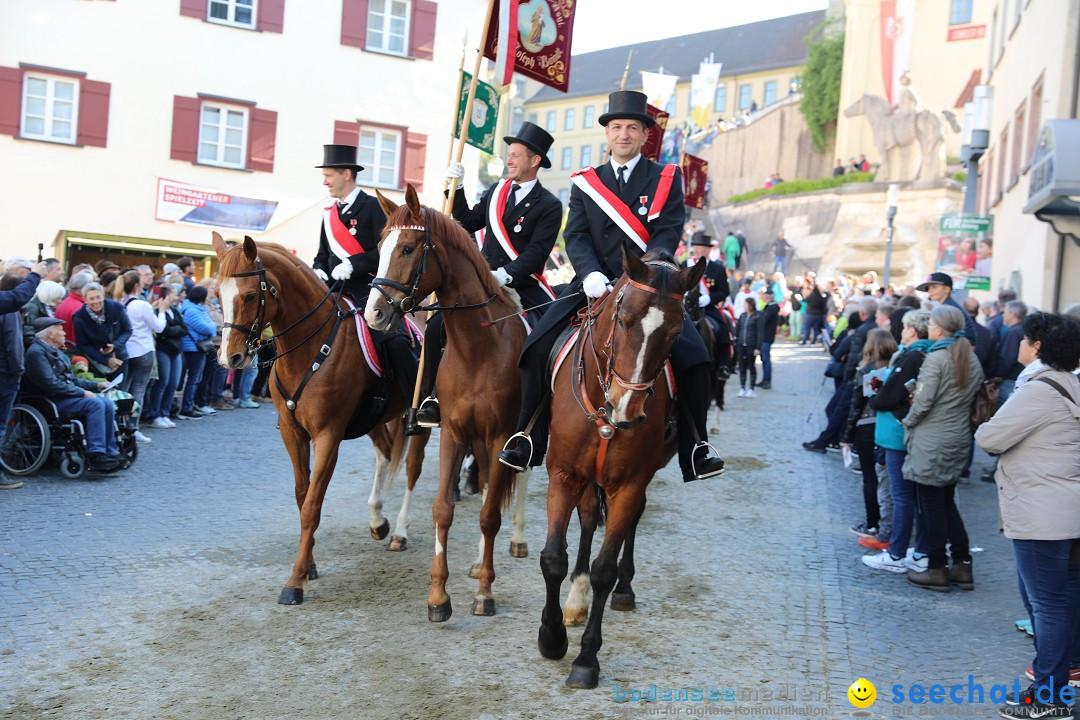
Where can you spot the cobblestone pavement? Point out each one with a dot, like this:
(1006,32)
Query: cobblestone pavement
(152,594)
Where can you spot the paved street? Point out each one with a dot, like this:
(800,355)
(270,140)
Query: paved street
(152,594)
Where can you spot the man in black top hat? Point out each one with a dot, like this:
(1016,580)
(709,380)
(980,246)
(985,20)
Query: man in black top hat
(594,243)
(349,237)
(715,290)
(521,220)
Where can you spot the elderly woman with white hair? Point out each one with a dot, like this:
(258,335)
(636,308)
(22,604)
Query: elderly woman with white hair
(46,298)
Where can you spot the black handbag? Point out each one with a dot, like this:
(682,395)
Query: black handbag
(835,369)
(206,345)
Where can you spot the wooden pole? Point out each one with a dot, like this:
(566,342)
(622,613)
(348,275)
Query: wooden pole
(463,131)
(457,100)
(626,70)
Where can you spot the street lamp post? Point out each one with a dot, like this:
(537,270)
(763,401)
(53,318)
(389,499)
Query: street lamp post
(975,139)
(892,200)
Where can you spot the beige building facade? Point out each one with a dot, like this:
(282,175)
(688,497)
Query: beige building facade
(211,115)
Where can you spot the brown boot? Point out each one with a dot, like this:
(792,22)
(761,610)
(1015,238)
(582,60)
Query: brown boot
(933,579)
(960,575)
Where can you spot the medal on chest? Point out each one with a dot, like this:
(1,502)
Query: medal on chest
(352,229)
(644,199)
(517,228)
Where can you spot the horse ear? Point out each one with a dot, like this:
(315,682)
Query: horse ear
(413,203)
(250,249)
(387,205)
(633,265)
(693,274)
(219,244)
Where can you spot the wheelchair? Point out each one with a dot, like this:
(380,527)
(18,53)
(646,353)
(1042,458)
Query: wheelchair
(38,433)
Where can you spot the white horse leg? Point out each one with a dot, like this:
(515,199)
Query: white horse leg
(474,571)
(518,547)
(400,538)
(576,607)
(379,525)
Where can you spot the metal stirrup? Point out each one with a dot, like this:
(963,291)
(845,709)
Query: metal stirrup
(693,462)
(527,439)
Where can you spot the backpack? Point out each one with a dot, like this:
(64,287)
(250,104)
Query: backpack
(985,403)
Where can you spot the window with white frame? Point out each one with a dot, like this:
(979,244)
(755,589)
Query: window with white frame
(388,26)
(564,196)
(744,97)
(50,108)
(586,155)
(770,92)
(240,13)
(568,123)
(549,122)
(720,104)
(567,157)
(223,135)
(380,155)
(588,120)
(960,12)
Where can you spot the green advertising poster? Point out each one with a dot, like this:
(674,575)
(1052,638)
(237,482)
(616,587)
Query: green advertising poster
(485,114)
(966,250)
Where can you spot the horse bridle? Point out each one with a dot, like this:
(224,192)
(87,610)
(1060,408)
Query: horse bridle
(254,333)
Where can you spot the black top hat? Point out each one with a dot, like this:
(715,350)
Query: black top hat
(939,278)
(340,156)
(627,105)
(700,238)
(535,138)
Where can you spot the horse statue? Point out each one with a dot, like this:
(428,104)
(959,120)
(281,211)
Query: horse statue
(321,384)
(424,251)
(608,437)
(897,133)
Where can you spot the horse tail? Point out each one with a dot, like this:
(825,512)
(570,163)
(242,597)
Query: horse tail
(399,442)
(505,492)
(601,504)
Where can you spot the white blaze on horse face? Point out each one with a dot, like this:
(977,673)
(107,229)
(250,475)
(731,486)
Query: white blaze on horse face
(652,321)
(227,292)
(387,251)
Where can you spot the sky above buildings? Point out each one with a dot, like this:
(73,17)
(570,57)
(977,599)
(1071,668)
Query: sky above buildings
(600,24)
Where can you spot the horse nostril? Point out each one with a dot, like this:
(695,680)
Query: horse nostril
(235,360)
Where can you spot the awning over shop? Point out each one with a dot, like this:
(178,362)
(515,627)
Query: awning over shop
(72,246)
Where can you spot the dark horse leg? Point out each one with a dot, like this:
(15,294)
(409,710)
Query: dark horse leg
(576,607)
(622,597)
(623,510)
(564,492)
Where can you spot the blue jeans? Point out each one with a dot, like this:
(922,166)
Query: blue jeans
(212,384)
(766,362)
(905,510)
(194,363)
(247,379)
(837,412)
(98,416)
(1050,590)
(9,388)
(161,395)
(778,263)
(813,325)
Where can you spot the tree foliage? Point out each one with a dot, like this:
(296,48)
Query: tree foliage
(821,83)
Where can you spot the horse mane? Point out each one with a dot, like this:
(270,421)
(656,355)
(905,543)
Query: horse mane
(234,260)
(663,278)
(458,239)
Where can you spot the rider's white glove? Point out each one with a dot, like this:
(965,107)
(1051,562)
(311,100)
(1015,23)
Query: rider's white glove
(703,300)
(321,274)
(455,171)
(342,271)
(502,276)
(595,284)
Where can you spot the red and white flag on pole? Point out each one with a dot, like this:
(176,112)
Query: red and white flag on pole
(533,38)
(508,35)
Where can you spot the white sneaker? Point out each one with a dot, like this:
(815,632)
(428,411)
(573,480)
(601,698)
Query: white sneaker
(162,423)
(884,561)
(171,423)
(751,393)
(206,410)
(742,392)
(919,565)
(141,439)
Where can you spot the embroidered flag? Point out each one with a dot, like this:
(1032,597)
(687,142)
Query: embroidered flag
(485,114)
(695,172)
(536,35)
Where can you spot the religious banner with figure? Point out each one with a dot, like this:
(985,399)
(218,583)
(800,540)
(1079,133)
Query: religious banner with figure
(695,172)
(654,139)
(966,250)
(534,41)
(485,114)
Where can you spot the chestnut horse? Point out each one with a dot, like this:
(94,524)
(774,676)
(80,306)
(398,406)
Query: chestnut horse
(608,430)
(263,283)
(423,252)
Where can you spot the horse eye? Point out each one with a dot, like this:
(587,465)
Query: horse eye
(407,250)
(249,298)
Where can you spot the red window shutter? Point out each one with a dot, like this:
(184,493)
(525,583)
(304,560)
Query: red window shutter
(422,35)
(261,140)
(10,100)
(415,160)
(185,129)
(93,113)
(354,22)
(346,133)
(271,15)
(193,8)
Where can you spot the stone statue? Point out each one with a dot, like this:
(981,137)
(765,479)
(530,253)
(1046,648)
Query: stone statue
(897,132)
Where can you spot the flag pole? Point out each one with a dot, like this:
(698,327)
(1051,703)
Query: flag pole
(457,99)
(463,131)
(626,70)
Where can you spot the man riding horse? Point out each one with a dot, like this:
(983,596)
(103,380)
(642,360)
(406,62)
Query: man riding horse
(521,220)
(714,291)
(629,202)
(349,250)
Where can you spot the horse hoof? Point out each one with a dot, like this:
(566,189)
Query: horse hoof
(552,645)
(439,613)
(457,493)
(291,596)
(583,678)
(474,571)
(715,431)
(483,606)
(312,573)
(573,617)
(471,488)
(519,549)
(397,543)
(623,602)
(382,531)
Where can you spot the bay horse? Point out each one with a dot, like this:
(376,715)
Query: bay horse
(608,429)
(424,251)
(263,283)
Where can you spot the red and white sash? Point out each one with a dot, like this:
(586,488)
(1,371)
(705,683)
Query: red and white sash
(342,243)
(496,210)
(589,183)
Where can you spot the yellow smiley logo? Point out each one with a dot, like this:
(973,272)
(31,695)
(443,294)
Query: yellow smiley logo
(862,693)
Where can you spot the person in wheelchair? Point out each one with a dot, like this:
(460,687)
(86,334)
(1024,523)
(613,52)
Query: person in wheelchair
(48,373)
